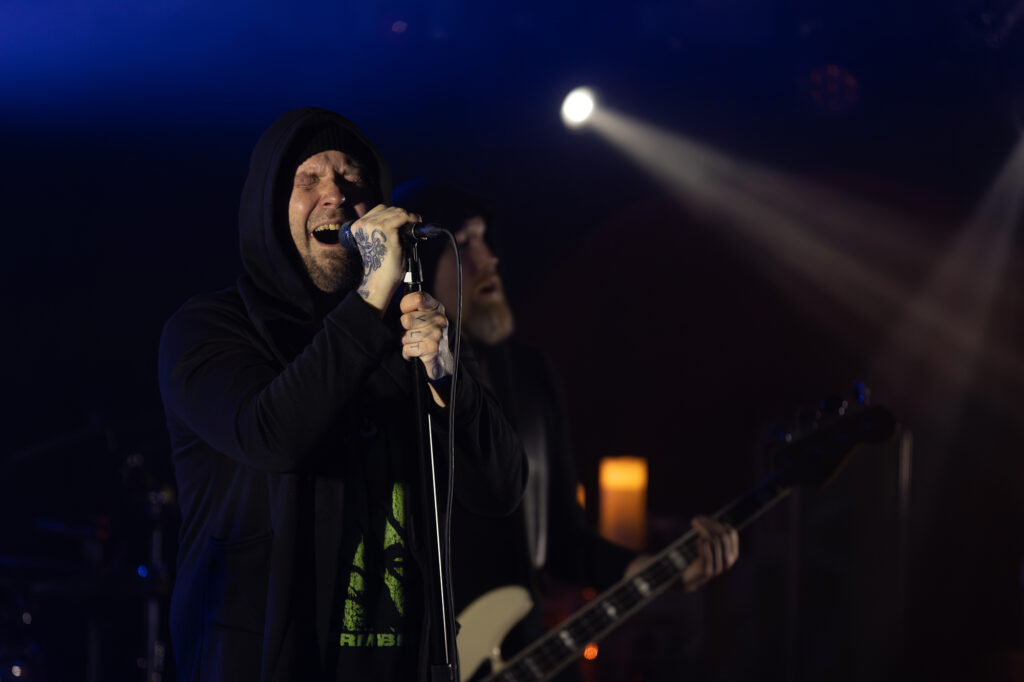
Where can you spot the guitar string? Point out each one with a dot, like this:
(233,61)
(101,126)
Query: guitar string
(739,514)
(595,620)
(659,574)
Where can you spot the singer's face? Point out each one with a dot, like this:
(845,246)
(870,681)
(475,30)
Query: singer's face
(329,190)
(486,317)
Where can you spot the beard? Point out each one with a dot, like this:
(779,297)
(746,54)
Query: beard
(333,272)
(489,322)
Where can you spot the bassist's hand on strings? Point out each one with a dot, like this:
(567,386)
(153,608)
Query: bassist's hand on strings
(718,548)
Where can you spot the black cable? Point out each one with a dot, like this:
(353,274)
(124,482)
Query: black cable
(456,352)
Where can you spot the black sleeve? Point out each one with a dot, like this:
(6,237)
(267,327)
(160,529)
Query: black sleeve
(576,552)
(490,472)
(217,377)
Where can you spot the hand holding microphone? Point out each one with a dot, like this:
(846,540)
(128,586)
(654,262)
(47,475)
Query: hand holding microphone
(380,236)
(407,233)
(376,235)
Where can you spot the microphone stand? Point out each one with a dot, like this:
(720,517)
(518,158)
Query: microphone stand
(444,658)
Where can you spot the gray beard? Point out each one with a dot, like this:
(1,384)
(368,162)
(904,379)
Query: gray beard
(489,323)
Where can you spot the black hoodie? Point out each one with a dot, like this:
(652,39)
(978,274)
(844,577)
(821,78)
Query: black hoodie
(287,407)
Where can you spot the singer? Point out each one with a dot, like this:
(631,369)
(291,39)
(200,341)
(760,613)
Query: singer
(288,404)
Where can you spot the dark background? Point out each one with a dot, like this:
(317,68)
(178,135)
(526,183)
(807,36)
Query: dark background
(125,132)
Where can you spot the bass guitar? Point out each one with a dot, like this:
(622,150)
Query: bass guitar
(811,460)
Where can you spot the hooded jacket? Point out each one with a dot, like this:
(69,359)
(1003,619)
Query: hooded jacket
(282,404)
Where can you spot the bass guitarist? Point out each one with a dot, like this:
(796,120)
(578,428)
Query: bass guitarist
(548,532)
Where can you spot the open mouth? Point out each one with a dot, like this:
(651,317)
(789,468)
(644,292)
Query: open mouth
(488,287)
(327,234)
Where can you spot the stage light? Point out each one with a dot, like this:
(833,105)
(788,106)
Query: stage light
(577,107)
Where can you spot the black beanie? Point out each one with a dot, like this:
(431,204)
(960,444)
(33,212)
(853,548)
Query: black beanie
(328,138)
(333,137)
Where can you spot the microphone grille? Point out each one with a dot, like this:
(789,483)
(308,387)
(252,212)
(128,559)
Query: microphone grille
(345,236)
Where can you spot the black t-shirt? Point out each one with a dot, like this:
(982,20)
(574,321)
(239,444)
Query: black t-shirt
(378,612)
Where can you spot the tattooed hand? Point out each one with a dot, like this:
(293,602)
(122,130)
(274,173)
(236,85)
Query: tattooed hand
(426,335)
(376,236)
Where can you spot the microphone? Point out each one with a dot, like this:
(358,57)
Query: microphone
(407,233)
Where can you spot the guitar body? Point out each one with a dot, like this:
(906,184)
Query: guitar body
(485,623)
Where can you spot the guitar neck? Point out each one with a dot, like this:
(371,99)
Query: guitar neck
(607,611)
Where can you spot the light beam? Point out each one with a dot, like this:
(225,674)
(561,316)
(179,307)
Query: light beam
(858,256)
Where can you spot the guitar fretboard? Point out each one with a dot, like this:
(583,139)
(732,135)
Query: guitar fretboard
(608,610)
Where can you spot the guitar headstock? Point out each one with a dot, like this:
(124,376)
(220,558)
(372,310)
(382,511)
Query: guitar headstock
(815,450)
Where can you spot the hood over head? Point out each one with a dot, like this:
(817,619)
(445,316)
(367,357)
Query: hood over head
(271,261)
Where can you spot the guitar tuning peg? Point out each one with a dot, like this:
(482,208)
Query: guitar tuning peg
(861,393)
(834,405)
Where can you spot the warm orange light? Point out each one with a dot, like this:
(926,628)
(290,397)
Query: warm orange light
(588,593)
(623,505)
(581,495)
(624,473)
(590,653)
